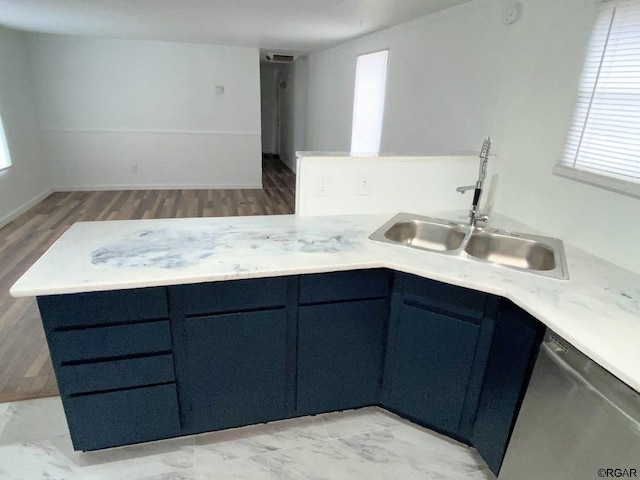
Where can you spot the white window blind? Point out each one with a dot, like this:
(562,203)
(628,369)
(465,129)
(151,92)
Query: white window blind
(368,104)
(603,144)
(5,158)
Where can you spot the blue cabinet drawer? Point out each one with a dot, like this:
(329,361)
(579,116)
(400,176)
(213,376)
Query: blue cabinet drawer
(95,308)
(352,285)
(122,417)
(105,342)
(442,297)
(237,295)
(115,374)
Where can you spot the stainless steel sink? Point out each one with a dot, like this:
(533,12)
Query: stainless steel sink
(427,234)
(512,250)
(525,252)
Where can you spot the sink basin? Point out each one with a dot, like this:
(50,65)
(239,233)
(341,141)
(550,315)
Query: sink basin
(525,252)
(427,234)
(511,250)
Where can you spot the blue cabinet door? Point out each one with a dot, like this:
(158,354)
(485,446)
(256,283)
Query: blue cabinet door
(513,352)
(430,363)
(236,364)
(340,354)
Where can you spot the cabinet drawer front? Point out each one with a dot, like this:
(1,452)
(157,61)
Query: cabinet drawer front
(95,308)
(111,375)
(118,418)
(237,295)
(354,285)
(105,342)
(442,297)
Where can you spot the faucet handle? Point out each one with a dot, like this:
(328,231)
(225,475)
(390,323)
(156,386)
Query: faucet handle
(477,217)
(466,188)
(482,217)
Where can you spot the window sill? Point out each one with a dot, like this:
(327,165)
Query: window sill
(630,189)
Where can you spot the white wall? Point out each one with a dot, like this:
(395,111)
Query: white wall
(109,105)
(545,52)
(27,181)
(461,74)
(294,110)
(393,184)
(442,85)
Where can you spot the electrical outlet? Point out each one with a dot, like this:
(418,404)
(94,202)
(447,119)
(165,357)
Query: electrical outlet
(134,168)
(364,186)
(323,183)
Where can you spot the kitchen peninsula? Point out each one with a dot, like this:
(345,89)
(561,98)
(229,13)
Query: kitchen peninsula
(167,303)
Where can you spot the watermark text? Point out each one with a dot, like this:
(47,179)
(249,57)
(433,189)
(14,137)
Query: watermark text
(618,473)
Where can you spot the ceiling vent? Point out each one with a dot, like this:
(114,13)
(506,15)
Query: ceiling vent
(279,58)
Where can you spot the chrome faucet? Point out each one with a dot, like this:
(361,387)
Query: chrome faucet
(474,215)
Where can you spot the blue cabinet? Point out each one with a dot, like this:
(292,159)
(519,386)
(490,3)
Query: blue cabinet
(145,364)
(514,348)
(233,357)
(340,352)
(104,375)
(112,353)
(341,336)
(430,367)
(236,363)
(340,286)
(436,353)
(121,417)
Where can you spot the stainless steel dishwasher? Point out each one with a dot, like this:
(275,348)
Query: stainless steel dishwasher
(577,421)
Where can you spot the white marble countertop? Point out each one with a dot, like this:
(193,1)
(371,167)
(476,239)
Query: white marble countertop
(597,310)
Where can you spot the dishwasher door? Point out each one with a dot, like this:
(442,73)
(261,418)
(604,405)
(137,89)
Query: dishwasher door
(577,421)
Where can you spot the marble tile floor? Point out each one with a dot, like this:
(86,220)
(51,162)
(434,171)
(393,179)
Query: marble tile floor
(364,444)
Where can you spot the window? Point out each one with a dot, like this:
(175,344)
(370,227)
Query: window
(603,144)
(5,158)
(368,104)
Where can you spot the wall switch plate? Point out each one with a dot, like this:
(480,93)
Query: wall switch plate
(134,168)
(323,184)
(364,186)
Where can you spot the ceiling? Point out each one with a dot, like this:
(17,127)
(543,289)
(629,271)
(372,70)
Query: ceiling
(291,26)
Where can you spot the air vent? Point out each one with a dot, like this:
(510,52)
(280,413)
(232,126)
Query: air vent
(278,58)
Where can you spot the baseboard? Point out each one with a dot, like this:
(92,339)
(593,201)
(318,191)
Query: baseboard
(23,208)
(100,188)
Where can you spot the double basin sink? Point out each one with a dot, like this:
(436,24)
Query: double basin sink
(525,252)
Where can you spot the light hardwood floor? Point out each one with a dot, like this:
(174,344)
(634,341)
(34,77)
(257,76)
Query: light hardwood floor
(25,366)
